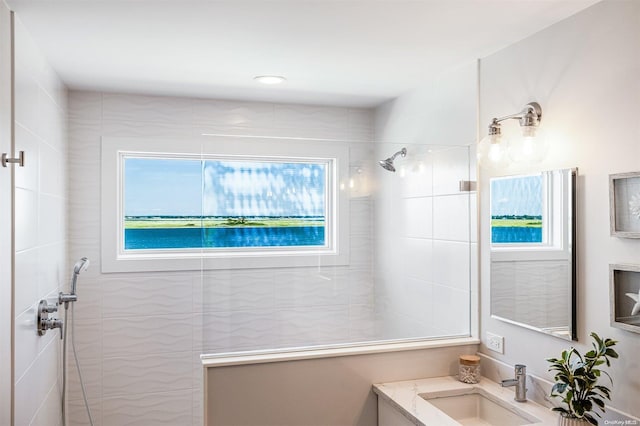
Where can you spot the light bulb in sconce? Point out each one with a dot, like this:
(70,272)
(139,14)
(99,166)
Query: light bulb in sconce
(492,151)
(531,147)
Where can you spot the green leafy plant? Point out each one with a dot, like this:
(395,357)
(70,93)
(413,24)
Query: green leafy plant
(577,379)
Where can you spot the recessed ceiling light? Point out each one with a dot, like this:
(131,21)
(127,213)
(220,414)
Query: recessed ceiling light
(270,79)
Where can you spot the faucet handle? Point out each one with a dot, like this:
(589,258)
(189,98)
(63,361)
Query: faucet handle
(520,369)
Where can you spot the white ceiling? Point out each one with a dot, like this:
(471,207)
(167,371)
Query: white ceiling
(337,52)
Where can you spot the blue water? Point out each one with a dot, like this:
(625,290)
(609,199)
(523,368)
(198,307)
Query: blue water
(171,238)
(515,234)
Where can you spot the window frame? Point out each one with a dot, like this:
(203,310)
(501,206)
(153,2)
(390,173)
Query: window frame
(116,259)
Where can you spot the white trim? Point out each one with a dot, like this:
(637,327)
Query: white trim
(115,259)
(261,357)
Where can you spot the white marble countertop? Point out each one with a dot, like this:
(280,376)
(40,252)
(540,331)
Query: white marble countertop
(405,397)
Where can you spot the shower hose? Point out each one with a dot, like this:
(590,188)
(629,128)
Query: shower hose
(64,366)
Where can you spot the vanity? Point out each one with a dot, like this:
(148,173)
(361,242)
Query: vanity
(445,401)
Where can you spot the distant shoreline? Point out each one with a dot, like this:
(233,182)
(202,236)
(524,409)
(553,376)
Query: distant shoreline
(516,222)
(148,222)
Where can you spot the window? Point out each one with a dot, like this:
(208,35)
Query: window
(251,204)
(180,203)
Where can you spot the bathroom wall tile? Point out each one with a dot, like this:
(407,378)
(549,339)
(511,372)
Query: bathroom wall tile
(214,292)
(50,226)
(147,374)
(361,250)
(451,312)
(313,325)
(33,387)
(451,217)
(170,408)
(26,99)
(419,300)
(27,177)
(450,166)
(77,413)
(451,264)
(360,124)
(252,289)
(88,338)
(360,216)
(50,412)
(198,409)
(172,294)
(309,117)
(417,258)
(85,105)
(26,219)
(146,129)
(51,121)
(51,269)
(418,179)
(51,177)
(417,217)
(255,329)
(215,333)
(131,336)
(473,217)
(361,323)
(308,287)
(26,279)
(150,109)
(232,113)
(92,376)
(26,341)
(359,286)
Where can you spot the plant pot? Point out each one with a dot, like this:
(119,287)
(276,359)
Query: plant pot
(571,421)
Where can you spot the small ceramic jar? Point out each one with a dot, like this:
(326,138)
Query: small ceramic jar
(469,368)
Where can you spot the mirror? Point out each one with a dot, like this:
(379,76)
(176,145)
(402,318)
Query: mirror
(533,260)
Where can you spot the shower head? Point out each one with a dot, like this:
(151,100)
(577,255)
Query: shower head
(81,265)
(388,163)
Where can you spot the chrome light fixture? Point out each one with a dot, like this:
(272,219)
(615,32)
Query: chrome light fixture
(492,149)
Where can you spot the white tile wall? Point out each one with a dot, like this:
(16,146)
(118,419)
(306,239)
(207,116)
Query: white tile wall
(41,250)
(139,336)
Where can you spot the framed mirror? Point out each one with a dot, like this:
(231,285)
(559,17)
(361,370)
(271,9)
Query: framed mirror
(533,259)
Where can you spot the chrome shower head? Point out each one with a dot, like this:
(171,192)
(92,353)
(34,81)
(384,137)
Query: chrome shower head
(81,265)
(388,163)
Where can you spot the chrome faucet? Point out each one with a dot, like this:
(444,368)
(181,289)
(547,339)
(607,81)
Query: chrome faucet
(520,382)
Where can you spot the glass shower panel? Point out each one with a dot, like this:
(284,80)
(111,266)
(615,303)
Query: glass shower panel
(407,276)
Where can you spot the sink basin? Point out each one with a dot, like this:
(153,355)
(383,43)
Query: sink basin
(476,407)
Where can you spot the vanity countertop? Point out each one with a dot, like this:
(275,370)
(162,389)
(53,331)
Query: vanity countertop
(405,397)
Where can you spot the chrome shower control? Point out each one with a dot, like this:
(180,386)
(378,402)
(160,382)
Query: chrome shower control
(44,322)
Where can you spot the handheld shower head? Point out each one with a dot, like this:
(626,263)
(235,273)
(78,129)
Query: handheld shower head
(81,265)
(388,163)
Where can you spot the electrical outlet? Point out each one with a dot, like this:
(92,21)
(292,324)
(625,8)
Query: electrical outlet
(495,343)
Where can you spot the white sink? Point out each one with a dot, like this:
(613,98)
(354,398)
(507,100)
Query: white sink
(475,407)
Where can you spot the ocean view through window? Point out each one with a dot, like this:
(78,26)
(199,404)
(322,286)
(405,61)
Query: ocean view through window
(223,203)
(517,205)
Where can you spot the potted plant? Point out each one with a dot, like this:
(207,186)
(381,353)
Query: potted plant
(576,378)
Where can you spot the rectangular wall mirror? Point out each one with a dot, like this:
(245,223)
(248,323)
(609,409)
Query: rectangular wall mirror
(533,259)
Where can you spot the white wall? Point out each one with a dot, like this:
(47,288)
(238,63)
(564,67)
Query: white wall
(425,229)
(584,71)
(140,334)
(41,267)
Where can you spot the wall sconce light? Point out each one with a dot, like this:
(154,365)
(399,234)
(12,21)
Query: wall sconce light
(493,150)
